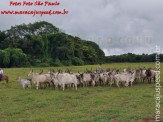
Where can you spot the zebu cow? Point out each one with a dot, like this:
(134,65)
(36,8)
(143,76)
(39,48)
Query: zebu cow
(64,79)
(125,78)
(103,78)
(96,78)
(143,75)
(137,74)
(86,78)
(111,77)
(24,82)
(77,75)
(47,74)
(150,75)
(39,79)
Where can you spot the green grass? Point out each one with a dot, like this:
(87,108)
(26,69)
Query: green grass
(103,103)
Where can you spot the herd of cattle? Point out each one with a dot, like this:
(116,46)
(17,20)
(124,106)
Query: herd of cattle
(88,78)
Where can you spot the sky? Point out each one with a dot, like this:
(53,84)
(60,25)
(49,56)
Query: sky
(117,26)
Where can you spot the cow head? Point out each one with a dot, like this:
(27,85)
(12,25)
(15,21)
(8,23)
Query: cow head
(41,71)
(30,73)
(148,73)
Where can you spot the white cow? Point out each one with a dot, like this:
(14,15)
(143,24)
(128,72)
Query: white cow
(103,78)
(143,74)
(125,78)
(97,78)
(39,79)
(24,82)
(86,78)
(63,79)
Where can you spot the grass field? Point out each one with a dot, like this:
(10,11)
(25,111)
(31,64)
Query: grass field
(102,103)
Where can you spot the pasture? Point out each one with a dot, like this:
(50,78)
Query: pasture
(102,103)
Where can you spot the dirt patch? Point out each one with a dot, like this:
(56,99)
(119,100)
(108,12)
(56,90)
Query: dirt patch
(150,119)
(113,119)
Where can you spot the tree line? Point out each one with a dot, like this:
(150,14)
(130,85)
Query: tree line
(42,44)
(133,58)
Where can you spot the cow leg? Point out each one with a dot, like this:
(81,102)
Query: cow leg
(83,84)
(154,79)
(118,84)
(149,81)
(56,86)
(93,83)
(76,86)
(29,86)
(23,86)
(143,80)
(63,85)
(136,80)
(111,82)
(37,85)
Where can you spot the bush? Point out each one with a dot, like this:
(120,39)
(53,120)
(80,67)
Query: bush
(44,65)
(77,61)
(13,57)
(67,62)
(57,63)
